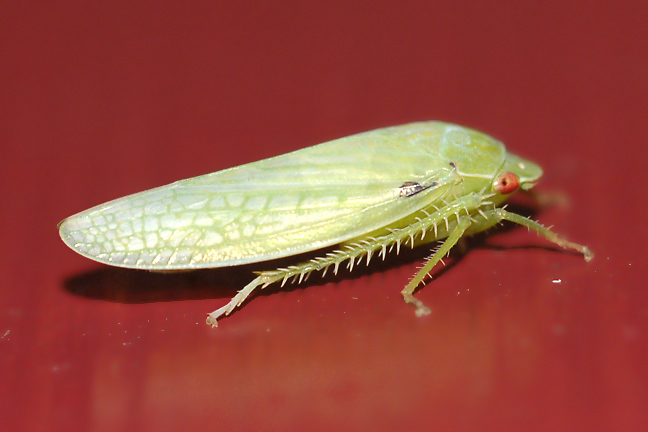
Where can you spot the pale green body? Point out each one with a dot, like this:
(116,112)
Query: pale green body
(415,182)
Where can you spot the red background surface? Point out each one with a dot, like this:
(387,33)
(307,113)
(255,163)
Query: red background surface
(102,99)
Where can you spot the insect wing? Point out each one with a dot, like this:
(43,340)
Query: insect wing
(277,207)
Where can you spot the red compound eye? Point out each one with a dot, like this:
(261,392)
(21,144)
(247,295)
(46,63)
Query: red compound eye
(506,183)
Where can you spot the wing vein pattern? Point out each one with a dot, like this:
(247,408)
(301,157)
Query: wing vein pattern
(293,203)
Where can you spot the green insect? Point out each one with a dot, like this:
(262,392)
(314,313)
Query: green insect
(366,193)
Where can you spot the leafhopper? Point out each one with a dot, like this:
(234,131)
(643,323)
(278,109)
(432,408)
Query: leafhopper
(365,194)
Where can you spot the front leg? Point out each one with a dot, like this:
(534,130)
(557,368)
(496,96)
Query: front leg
(499,214)
(490,218)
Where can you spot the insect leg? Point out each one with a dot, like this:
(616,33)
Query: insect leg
(262,280)
(501,214)
(452,239)
(234,302)
(353,251)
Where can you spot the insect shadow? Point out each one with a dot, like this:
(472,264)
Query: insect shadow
(137,286)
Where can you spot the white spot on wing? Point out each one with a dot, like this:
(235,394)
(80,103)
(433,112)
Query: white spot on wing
(194,202)
(131,258)
(155,208)
(248,230)
(181,256)
(117,257)
(77,236)
(235,200)
(163,257)
(99,220)
(137,225)
(135,243)
(146,257)
(151,224)
(120,246)
(175,221)
(165,234)
(217,202)
(203,220)
(77,223)
(176,238)
(211,238)
(124,229)
(191,238)
(284,202)
(151,240)
(168,221)
(256,203)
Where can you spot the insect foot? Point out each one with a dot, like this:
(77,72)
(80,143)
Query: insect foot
(421,309)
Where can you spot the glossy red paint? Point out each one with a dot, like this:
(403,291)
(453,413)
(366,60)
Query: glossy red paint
(101,99)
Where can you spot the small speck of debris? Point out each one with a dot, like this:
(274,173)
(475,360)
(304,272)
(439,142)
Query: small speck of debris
(6,334)
(557,281)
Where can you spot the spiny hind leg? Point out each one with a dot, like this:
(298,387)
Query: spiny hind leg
(262,280)
(352,253)
(408,291)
